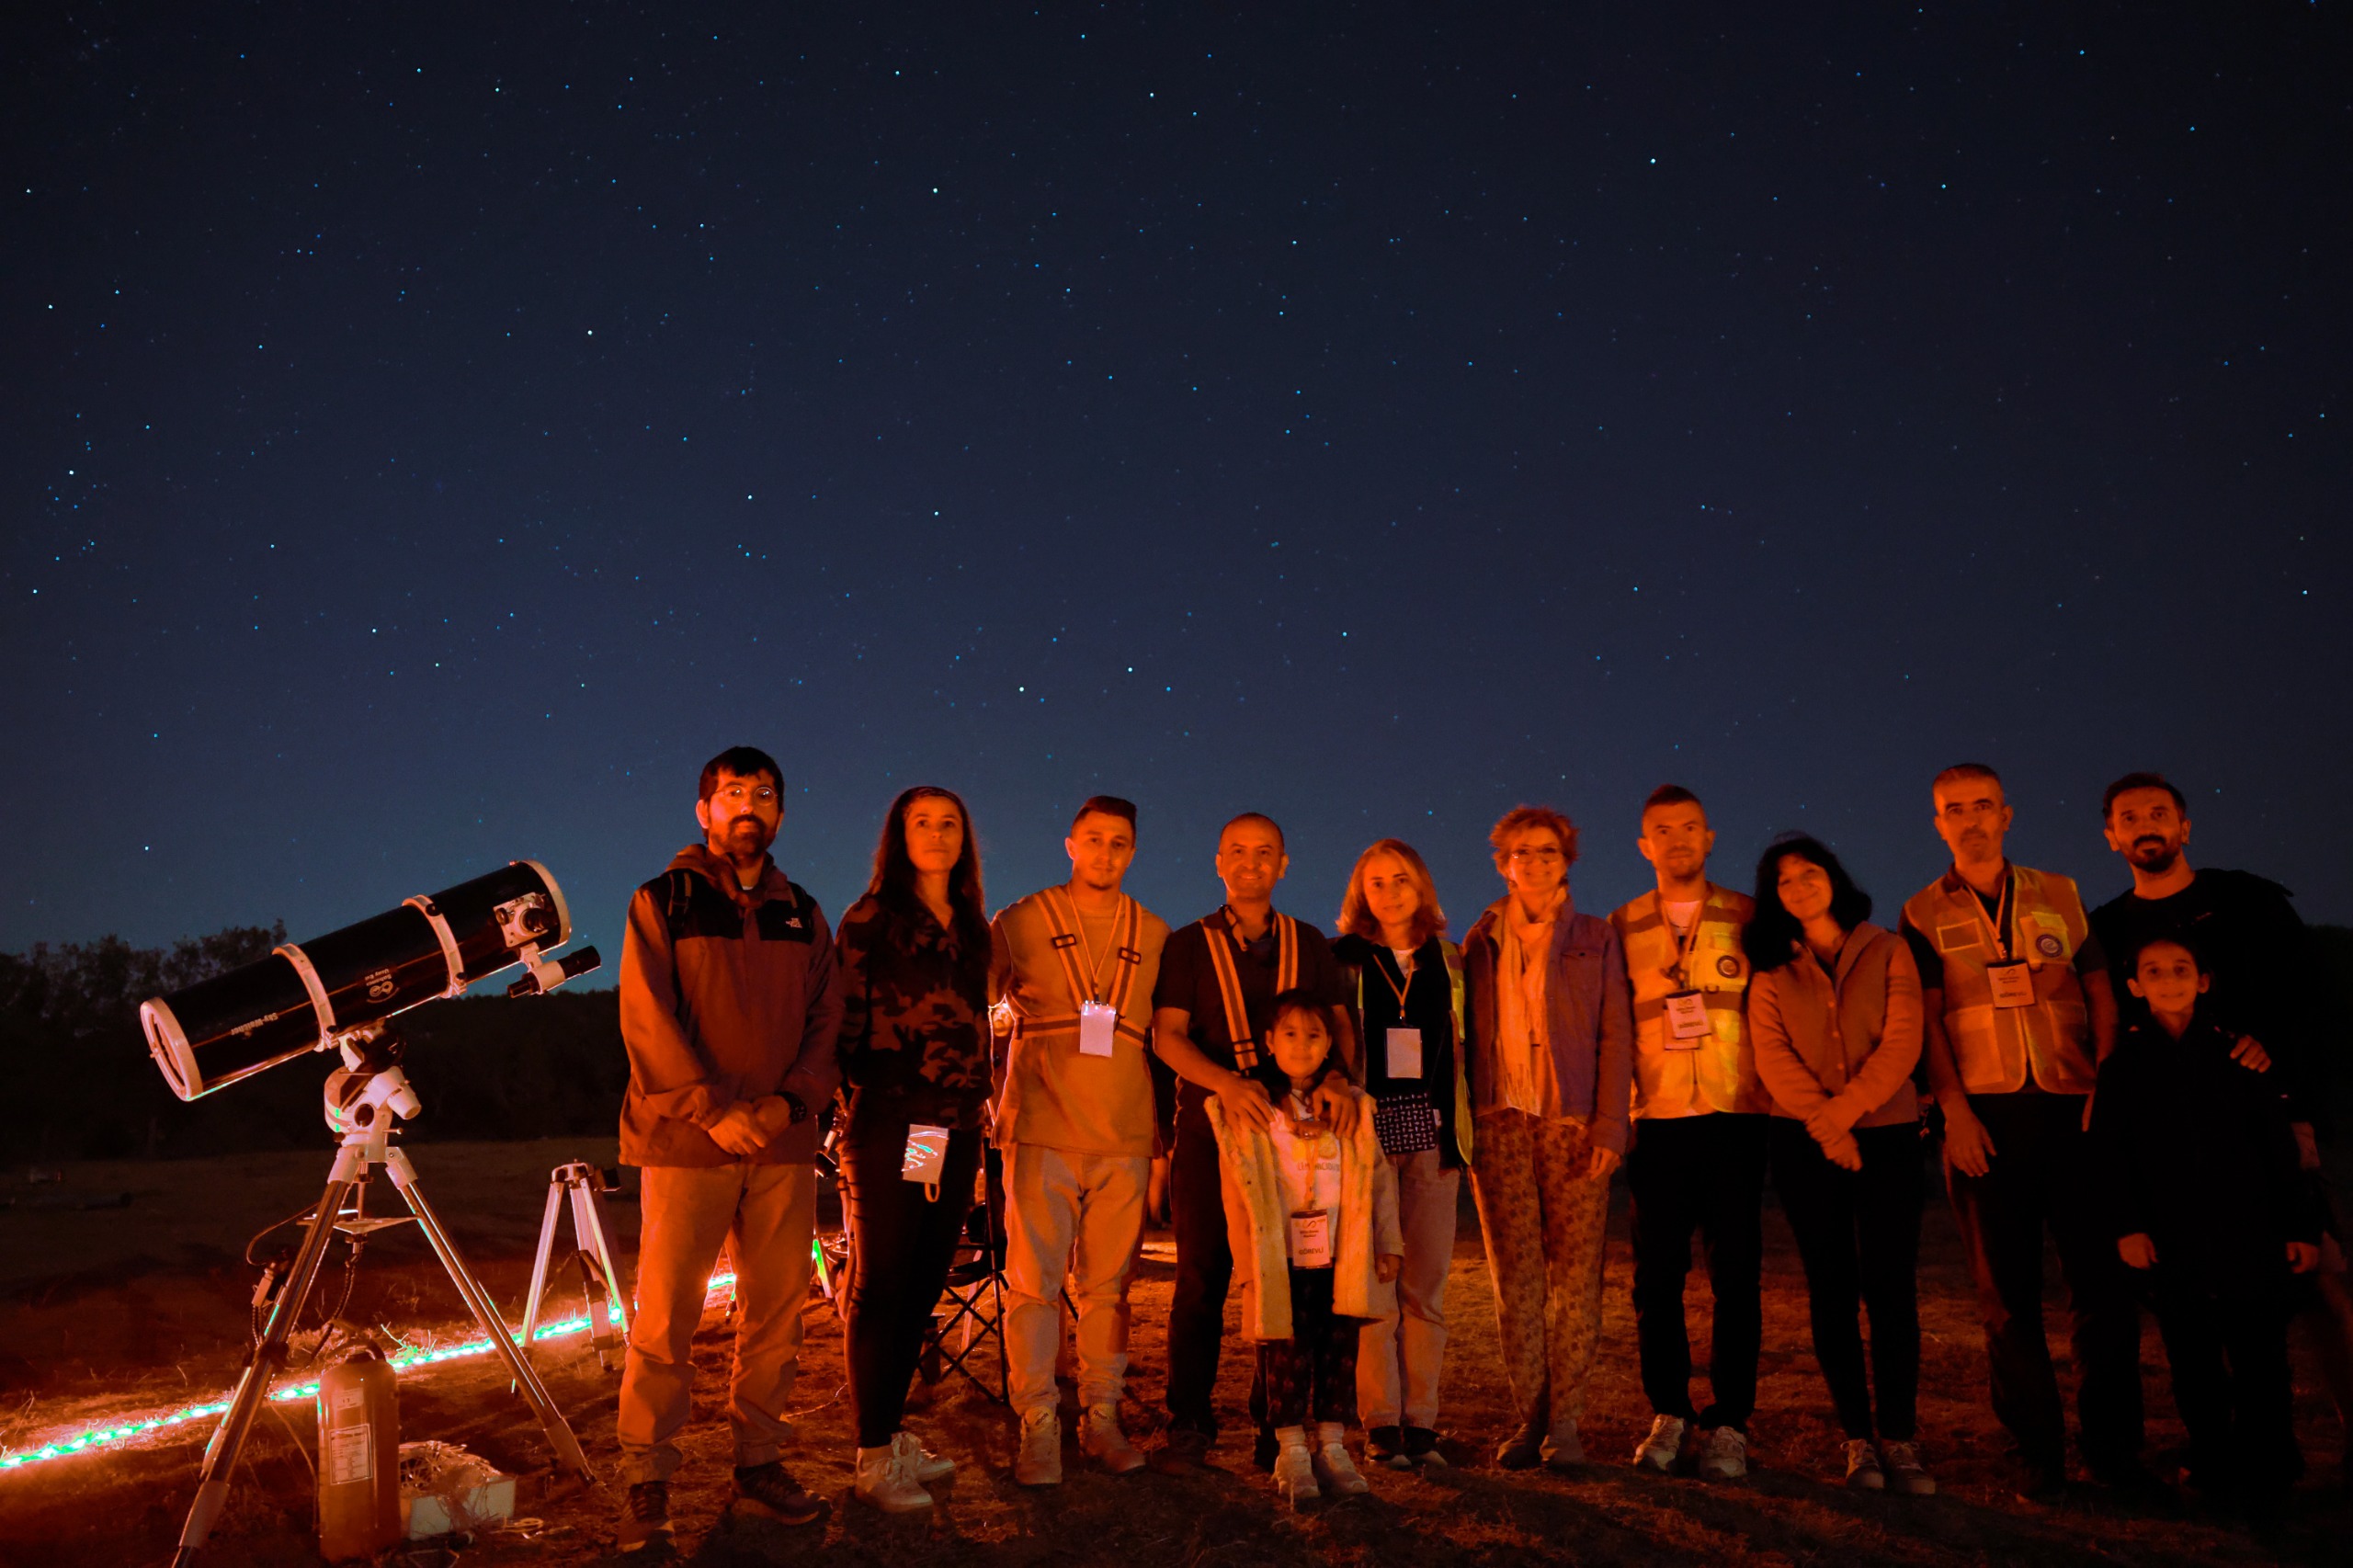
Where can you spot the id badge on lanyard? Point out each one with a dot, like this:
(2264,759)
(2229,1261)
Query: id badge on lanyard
(1405,1057)
(2013,983)
(1687,1020)
(1096,1023)
(926,1156)
(1311,1238)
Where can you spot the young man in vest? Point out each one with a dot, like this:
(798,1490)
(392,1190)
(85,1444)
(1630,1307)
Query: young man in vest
(1073,968)
(728,1005)
(2019,1013)
(2261,966)
(1698,1163)
(1219,978)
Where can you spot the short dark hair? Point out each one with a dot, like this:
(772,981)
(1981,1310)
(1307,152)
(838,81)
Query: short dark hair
(1257,817)
(2139,781)
(744,762)
(1109,805)
(1671,795)
(2196,956)
(1961,770)
(1772,937)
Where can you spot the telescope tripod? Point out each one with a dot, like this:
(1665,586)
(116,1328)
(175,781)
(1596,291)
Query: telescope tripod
(364,1102)
(583,1185)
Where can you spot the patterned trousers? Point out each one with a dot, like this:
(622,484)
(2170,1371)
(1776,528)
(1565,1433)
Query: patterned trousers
(1313,1374)
(1544,1221)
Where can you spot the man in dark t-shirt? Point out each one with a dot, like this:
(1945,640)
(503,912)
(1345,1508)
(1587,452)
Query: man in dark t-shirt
(1243,953)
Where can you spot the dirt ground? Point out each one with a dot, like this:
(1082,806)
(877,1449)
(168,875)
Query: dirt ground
(114,1310)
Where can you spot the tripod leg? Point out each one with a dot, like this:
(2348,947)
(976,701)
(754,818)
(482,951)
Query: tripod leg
(547,1249)
(603,1242)
(604,1297)
(229,1438)
(535,1393)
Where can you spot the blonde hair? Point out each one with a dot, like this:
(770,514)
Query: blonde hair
(1429,920)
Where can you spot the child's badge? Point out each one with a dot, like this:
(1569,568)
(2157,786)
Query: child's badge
(2013,981)
(927,1154)
(1686,1019)
(1095,1023)
(1404,1053)
(1311,1238)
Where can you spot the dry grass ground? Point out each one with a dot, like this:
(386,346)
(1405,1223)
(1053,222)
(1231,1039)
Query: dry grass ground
(110,1312)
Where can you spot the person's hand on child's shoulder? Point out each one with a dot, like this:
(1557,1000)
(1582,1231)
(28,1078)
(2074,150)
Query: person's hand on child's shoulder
(2139,1251)
(2302,1257)
(1386,1266)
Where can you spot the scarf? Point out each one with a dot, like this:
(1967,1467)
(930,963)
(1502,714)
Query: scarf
(1525,949)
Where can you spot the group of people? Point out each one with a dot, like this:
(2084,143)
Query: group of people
(1330,1095)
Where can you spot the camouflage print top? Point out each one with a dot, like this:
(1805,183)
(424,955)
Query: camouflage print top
(914,1035)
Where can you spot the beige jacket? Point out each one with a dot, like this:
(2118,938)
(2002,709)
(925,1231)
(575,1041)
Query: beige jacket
(1258,1226)
(1854,1045)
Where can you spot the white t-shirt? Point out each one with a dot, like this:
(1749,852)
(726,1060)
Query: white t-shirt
(1681,916)
(1308,1168)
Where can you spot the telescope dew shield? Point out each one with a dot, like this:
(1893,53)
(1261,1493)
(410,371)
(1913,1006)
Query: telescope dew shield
(207,1036)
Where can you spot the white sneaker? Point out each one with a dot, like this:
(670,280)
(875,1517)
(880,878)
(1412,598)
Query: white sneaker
(1724,1454)
(1334,1468)
(888,1482)
(1863,1472)
(1906,1473)
(1038,1461)
(1102,1440)
(1663,1446)
(1295,1468)
(927,1466)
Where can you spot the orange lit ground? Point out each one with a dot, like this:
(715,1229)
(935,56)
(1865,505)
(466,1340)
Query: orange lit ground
(115,1311)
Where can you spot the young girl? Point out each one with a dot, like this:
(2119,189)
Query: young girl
(1319,1212)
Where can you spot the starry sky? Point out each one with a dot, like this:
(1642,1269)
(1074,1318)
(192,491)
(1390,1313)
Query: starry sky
(431,432)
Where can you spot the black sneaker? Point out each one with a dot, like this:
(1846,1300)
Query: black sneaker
(767,1490)
(645,1519)
(1421,1447)
(2133,1483)
(2037,1480)
(1181,1452)
(1386,1445)
(1263,1451)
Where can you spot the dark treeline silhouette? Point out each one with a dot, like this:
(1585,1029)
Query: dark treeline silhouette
(78,1082)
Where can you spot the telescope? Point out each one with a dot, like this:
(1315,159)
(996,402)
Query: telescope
(306,997)
(338,992)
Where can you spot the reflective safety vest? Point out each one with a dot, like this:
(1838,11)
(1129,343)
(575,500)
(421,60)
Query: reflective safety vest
(1995,1048)
(1218,931)
(1671,1079)
(1127,930)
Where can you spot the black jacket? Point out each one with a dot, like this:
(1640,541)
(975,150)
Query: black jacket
(2196,1153)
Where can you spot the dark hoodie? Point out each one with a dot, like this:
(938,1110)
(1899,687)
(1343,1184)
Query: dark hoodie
(2198,1155)
(728,994)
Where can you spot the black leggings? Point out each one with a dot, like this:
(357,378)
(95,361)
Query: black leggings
(1858,1236)
(900,1244)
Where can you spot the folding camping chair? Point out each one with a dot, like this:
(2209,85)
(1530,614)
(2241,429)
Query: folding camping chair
(973,1309)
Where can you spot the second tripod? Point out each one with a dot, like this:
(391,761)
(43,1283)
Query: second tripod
(584,1187)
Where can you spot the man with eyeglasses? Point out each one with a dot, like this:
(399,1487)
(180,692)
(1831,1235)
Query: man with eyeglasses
(729,1003)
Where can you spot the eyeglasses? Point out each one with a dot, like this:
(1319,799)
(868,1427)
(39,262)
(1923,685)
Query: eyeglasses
(1546,857)
(736,794)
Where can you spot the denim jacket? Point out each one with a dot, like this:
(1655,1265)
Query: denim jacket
(1588,1020)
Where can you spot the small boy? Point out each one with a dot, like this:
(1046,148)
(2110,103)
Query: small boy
(2208,1199)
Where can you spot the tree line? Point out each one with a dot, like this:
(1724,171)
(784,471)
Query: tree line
(79,1084)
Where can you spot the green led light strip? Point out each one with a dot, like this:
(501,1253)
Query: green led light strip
(99,1437)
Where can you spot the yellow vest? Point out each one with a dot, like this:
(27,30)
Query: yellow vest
(1995,1048)
(1721,1075)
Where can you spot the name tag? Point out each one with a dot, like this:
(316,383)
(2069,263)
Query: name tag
(2013,983)
(927,1154)
(1687,1020)
(1405,1053)
(1310,1239)
(1095,1023)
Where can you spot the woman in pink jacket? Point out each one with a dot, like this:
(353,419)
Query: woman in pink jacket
(1834,1011)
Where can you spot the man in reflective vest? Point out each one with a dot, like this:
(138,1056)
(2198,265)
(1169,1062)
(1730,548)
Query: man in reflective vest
(1073,969)
(2019,1012)
(1218,979)
(1698,1163)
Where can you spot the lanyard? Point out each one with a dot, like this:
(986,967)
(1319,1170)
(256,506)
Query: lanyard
(1686,941)
(1094,970)
(1394,989)
(1999,924)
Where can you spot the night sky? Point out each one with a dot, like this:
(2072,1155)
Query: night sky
(429,434)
